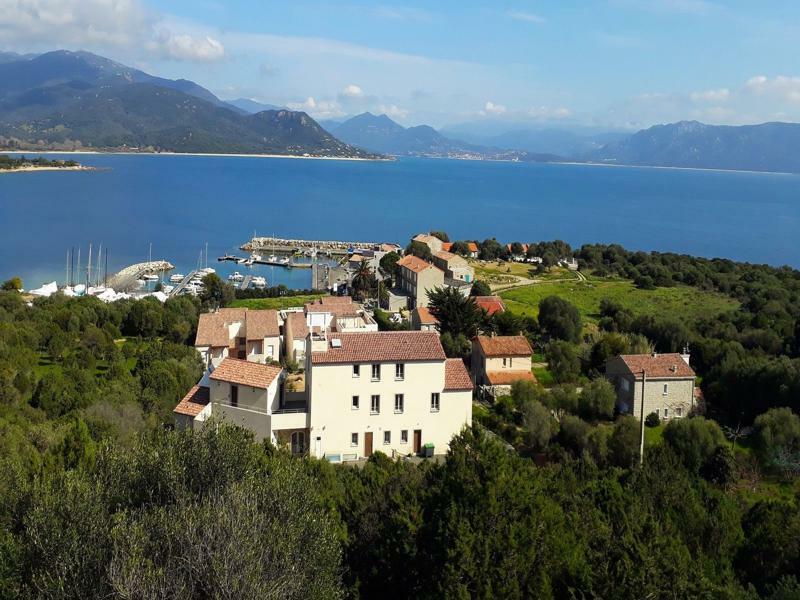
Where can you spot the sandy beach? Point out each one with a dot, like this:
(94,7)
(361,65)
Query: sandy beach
(89,152)
(32,169)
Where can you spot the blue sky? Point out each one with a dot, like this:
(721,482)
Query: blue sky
(604,63)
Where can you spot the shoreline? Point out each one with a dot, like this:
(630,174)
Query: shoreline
(212,154)
(707,169)
(32,169)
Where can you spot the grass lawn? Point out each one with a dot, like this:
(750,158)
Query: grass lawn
(681,301)
(275,303)
(653,435)
(543,376)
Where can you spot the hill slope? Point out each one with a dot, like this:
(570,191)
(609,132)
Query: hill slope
(765,147)
(69,100)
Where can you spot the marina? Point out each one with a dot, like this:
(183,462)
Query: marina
(271,261)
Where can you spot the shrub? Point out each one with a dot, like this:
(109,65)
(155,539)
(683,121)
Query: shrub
(652,420)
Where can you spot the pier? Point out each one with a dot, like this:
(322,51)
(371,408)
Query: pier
(127,278)
(239,260)
(246,282)
(289,246)
(182,285)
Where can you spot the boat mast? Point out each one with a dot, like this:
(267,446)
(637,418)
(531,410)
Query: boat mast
(89,268)
(105,274)
(206,255)
(78,270)
(66,274)
(97,272)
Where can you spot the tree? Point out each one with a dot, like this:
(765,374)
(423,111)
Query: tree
(574,434)
(389,264)
(11,285)
(420,250)
(364,283)
(563,399)
(517,249)
(460,247)
(455,346)
(720,467)
(776,430)
(540,424)
(440,235)
(489,249)
(560,319)
(457,315)
(524,391)
(771,547)
(623,445)
(694,440)
(480,288)
(652,420)
(597,400)
(216,293)
(563,361)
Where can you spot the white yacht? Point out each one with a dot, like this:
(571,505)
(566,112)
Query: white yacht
(176,277)
(259,282)
(236,276)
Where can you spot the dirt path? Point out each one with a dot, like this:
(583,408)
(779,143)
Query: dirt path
(524,281)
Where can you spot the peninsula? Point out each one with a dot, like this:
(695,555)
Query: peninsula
(9,164)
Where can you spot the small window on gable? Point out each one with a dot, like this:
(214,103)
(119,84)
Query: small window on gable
(666,389)
(387,437)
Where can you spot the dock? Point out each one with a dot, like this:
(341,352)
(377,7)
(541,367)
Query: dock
(239,260)
(182,285)
(289,246)
(246,282)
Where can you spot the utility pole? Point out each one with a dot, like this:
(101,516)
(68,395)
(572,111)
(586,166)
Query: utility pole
(641,420)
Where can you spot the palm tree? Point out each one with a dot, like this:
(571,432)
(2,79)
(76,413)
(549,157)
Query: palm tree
(363,281)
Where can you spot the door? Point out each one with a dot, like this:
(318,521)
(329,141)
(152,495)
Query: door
(417,440)
(368,444)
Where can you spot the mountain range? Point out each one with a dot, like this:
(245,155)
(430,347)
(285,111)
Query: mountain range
(379,133)
(690,144)
(78,100)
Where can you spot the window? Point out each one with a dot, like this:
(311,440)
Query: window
(354,404)
(234,395)
(398,403)
(387,437)
(666,387)
(666,413)
(679,412)
(376,372)
(375,406)
(354,439)
(399,371)
(270,350)
(504,363)
(404,436)
(435,402)
(356,370)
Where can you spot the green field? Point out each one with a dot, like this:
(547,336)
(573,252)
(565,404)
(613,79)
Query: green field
(680,301)
(275,303)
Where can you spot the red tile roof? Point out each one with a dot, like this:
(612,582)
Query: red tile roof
(508,377)
(505,345)
(212,331)
(414,263)
(193,402)
(447,246)
(243,372)
(658,365)
(456,376)
(262,324)
(491,304)
(473,247)
(425,316)
(381,346)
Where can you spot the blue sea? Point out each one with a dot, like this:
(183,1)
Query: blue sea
(180,203)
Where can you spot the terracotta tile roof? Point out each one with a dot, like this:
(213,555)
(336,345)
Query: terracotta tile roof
(261,324)
(357,258)
(658,365)
(425,316)
(473,247)
(491,304)
(508,377)
(447,245)
(504,345)
(426,239)
(211,331)
(297,323)
(414,263)
(445,255)
(382,346)
(193,402)
(243,372)
(456,376)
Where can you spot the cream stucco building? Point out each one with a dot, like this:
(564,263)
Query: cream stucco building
(454,266)
(499,361)
(252,335)
(669,384)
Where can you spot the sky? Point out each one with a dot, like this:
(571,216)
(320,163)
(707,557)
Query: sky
(608,64)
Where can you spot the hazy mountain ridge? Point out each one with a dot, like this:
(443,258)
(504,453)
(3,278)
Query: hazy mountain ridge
(690,144)
(72,100)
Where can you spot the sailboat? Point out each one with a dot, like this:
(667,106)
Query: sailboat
(150,276)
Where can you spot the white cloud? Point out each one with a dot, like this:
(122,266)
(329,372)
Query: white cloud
(393,110)
(100,25)
(490,108)
(782,87)
(528,17)
(720,95)
(186,47)
(352,91)
(319,109)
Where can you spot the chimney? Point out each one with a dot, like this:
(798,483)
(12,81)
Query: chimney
(685,354)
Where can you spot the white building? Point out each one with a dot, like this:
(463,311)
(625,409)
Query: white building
(252,335)
(364,392)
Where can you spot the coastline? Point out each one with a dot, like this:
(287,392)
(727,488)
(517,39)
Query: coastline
(708,169)
(31,169)
(212,154)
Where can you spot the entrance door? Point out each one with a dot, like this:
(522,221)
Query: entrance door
(367,444)
(417,440)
